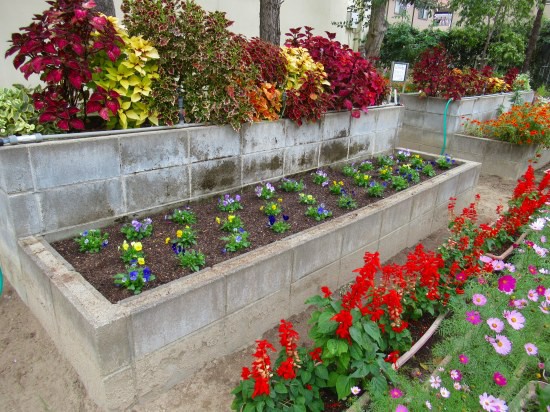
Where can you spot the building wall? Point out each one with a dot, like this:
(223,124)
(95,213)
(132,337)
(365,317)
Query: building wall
(413,16)
(318,14)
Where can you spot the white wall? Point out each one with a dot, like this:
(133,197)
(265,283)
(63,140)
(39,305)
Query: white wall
(245,13)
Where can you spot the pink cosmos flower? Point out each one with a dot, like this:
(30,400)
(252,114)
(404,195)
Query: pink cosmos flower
(515,319)
(538,224)
(532,270)
(502,344)
(435,382)
(547,295)
(498,265)
(460,277)
(478,299)
(396,393)
(495,324)
(541,251)
(401,408)
(456,375)
(486,401)
(457,386)
(463,359)
(511,268)
(519,303)
(540,289)
(544,307)
(499,379)
(531,349)
(428,405)
(473,317)
(533,295)
(444,392)
(506,284)
(485,259)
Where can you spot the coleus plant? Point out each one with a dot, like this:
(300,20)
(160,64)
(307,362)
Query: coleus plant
(354,81)
(58,45)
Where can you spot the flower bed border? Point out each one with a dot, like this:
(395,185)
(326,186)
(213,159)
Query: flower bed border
(138,348)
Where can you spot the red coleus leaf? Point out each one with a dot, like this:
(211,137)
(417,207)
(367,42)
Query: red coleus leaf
(78,48)
(90,4)
(63,124)
(60,43)
(46,117)
(49,48)
(355,114)
(93,106)
(104,113)
(18,60)
(54,76)
(75,79)
(76,124)
(99,22)
(80,14)
(113,106)
(347,104)
(113,53)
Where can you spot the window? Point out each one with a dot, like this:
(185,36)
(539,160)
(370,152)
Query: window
(400,8)
(423,14)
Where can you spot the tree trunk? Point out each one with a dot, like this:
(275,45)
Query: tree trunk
(491,29)
(533,37)
(270,25)
(106,7)
(377,28)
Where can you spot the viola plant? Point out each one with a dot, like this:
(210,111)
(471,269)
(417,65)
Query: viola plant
(349,170)
(445,162)
(361,179)
(182,217)
(184,238)
(273,208)
(346,201)
(265,192)
(385,172)
(416,161)
(278,226)
(428,170)
(291,185)
(385,160)
(237,240)
(132,252)
(307,199)
(376,189)
(192,260)
(229,204)
(318,212)
(320,178)
(231,223)
(135,278)
(403,155)
(399,183)
(336,188)
(365,166)
(92,241)
(409,173)
(138,230)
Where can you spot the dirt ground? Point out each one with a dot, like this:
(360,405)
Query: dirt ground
(35,377)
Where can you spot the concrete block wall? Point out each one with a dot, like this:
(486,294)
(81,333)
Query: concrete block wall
(423,118)
(137,349)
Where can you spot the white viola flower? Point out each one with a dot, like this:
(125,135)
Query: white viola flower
(428,405)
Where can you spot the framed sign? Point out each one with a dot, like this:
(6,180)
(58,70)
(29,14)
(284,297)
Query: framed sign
(399,71)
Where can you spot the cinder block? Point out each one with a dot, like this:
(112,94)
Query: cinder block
(262,166)
(413,118)
(311,284)
(263,136)
(413,101)
(354,261)
(420,228)
(113,344)
(433,122)
(72,205)
(336,124)
(488,103)
(474,147)
(25,214)
(67,162)
(159,371)
(462,107)
(274,276)
(366,123)
(385,141)
(308,132)
(502,152)
(174,317)
(213,142)
(361,231)
(150,151)
(468,179)
(389,117)
(423,200)
(156,187)
(333,151)
(250,323)
(215,175)
(396,215)
(447,189)
(307,256)
(301,158)
(393,243)
(361,145)
(441,217)
(15,169)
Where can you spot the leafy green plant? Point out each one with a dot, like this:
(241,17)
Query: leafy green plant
(445,162)
(265,191)
(192,259)
(280,226)
(409,173)
(307,199)
(428,170)
(376,189)
(361,179)
(131,253)
(229,204)
(135,278)
(291,185)
(17,115)
(348,170)
(320,178)
(184,238)
(318,213)
(138,230)
(200,59)
(92,241)
(365,166)
(336,188)
(272,208)
(399,183)
(416,161)
(237,240)
(182,217)
(346,201)
(231,223)
(385,160)
(385,173)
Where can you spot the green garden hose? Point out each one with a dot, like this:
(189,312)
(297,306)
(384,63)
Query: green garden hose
(445,127)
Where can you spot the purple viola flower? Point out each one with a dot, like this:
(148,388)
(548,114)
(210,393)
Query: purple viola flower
(105,243)
(241,230)
(136,225)
(146,274)
(238,198)
(285,218)
(271,220)
(133,275)
(226,197)
(238,239)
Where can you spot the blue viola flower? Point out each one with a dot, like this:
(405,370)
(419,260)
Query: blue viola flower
(238,239)
(146,274)
(285,218)
(133,275)
(85,233)
(241,230)
(105,243)
(272,220)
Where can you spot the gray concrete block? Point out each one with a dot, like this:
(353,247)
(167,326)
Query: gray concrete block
(72,205)
(413,101)
(215,175)
(336,125)
(262,166)
(462,107)
(213,142)
(363,229)
(150,151)
(156,187)
(489,103)
(393,243)
(413,118)
(503,152)
(307,258)
(15,169)
(176,316)
(366,123)
(423,200)
(113,345)
(333,151)
(447,189)
(433,122)
(311,284)
(250,323)
(26,214)
(159,371)
(468,179)
(308,132)
(440,217)
(436,105)
(353,261)
(361,145)
(67,162)
(420,228)
(475,147)
(301,158)
(246,284)
(263,136)
(385,141)
(396,215)
(389,117)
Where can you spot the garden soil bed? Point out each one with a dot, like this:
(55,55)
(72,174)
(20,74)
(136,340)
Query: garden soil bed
(99,268)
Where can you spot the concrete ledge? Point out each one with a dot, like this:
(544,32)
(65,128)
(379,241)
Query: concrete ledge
(132,351)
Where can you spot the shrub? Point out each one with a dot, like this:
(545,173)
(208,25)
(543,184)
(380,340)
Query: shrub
(59,46)
(354,81)
(198,55)
(17,116)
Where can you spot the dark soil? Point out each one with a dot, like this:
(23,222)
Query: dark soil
(99,269)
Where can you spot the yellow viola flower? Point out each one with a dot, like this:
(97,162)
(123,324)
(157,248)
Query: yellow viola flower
(341,183)
(261,208)
(230,218)
(280,200)
(167,240)
(137,246)
(179,233)
(273,207)
(218,220)
(309,197)
(125,245)
(141,261)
